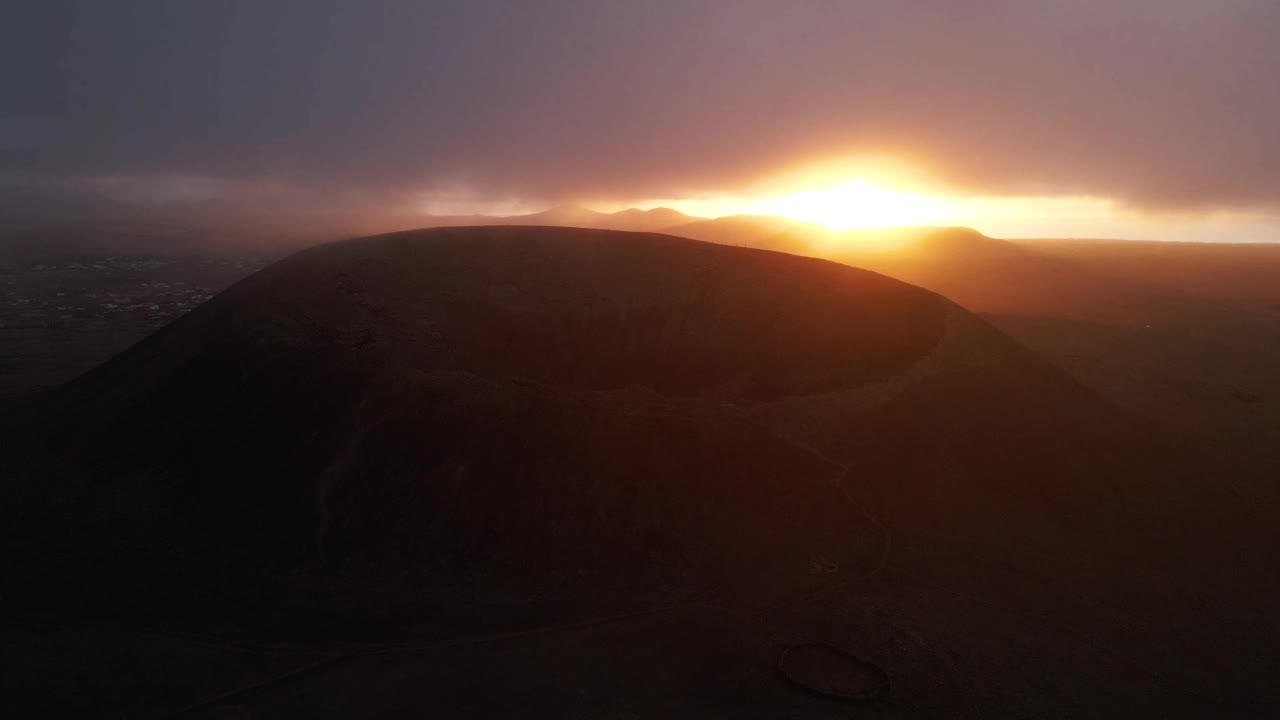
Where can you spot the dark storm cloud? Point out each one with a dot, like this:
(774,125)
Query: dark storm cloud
(1162,103)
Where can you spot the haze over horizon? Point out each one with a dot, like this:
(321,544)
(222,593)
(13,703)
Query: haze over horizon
(1056,119)
(673,359)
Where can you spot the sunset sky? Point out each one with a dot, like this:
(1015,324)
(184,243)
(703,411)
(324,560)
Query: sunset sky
(1152,119)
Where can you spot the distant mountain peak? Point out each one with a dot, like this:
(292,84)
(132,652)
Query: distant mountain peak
(570,209)
(575,215)
(953,231)
(651,212)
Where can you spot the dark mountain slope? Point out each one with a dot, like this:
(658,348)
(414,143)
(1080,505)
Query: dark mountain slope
(514,430)
(555,401)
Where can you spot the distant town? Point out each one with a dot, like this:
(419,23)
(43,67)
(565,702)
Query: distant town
(60,319)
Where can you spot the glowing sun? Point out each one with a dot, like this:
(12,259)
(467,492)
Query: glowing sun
(857,203)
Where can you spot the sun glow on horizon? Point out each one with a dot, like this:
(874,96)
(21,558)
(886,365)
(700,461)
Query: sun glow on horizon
(841,193)
(843,196)
(858,203)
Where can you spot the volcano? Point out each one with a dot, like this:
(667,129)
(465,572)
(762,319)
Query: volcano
(497,429)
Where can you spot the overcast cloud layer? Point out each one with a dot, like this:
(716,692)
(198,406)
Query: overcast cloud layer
(1157,103)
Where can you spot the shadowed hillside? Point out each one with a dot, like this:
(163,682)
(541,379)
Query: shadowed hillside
(1184,334)
(613,473)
